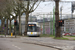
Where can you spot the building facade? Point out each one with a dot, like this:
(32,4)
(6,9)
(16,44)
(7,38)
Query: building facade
(69,26)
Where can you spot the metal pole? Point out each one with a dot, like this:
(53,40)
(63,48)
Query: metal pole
(71,10)
(15,31)
(43,25)
(53,21)
(61,12)
(51,24)
(61,19)
(31,17)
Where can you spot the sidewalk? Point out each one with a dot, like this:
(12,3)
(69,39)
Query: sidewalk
(9,36)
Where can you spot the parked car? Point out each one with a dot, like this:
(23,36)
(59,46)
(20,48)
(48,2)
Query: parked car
(73,34)
(65,34)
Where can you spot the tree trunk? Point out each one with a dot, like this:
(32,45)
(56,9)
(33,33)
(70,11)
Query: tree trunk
(7,26)
(26,23)
(10,28)
(15,28)
(2,28)
(19,24)
(57,19)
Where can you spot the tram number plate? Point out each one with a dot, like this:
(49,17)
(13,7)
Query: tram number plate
(31,32)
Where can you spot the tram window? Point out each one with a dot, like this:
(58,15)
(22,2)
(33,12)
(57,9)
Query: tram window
(29,25)
(38,29)
(32,25)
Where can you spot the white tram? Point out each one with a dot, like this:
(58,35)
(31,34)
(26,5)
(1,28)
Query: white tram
(33,29)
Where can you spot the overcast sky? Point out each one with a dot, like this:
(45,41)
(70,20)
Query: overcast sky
(47,7)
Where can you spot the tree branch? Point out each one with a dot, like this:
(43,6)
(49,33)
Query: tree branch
(35,8)
(32,6)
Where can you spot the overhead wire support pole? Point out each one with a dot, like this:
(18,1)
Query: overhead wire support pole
(63,1)
(51,24)
(61,17)
(43,25)
(53,20)
(72,10)
(52,14)
(61,12)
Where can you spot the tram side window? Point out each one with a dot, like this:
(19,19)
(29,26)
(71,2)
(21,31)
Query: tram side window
(38,29)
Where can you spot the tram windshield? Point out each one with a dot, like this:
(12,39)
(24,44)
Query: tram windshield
(31,27)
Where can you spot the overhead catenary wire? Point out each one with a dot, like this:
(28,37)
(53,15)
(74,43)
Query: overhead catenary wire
(62,1)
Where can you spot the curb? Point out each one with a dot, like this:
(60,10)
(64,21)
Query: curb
(66,40)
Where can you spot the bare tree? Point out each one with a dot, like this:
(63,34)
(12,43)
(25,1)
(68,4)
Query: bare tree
(6,13)
(20,6)
(2,8)
(18,11)
(29,8)
(9,10)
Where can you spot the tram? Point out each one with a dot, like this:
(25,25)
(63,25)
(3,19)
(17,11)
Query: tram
(33,29)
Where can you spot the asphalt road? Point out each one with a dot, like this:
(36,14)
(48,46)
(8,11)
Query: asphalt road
(17,44)
(63,44)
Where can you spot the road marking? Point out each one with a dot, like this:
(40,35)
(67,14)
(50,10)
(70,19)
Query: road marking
(16,46)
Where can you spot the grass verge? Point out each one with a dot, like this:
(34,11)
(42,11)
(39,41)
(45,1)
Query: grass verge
(46,35)
(2,34)
(73,39)
(61,38)
(70,36)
